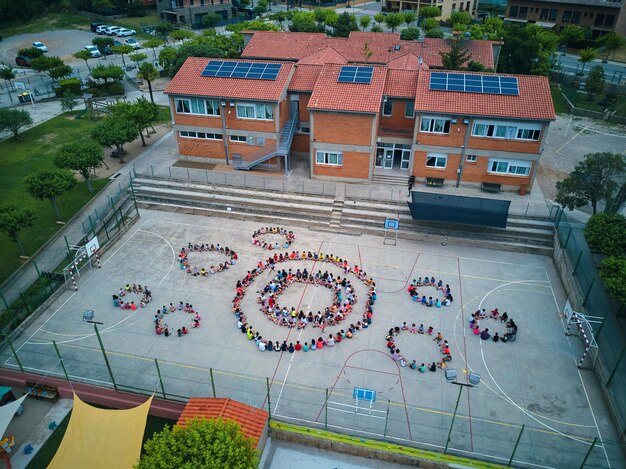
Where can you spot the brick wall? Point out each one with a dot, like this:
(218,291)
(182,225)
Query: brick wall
(200,147)
(303,111)
(397,120)
(300,143)
(420,170)
(454,139)
(501,144)
(245,150)
(284,111)
(214,122)
(355,166)
(232,122)
(335,127)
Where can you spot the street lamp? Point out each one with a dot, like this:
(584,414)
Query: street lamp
(473,380)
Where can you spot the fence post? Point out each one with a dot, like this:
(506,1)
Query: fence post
(456,407)
(160,378)
(69,253)
(117,222)
(595,439)
(170,170)
(43,283)
(269,404)
(588,291)
(212,382)
(326,411)
(134,197)
(56,349)
(106,232)
(152,170)
(619,361)
(580,254)
(25,304)
(106,359)
(567,239)
(519,437)
(4,300)
(188,174)
(19,363)
(93,229)
(122,216)
(386,420)
(206,173)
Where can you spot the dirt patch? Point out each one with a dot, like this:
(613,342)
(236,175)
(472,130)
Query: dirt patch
(547,178)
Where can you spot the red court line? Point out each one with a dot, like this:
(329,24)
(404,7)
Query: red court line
(469,408)
(369,369)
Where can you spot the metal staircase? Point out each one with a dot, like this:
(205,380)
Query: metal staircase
(265,154)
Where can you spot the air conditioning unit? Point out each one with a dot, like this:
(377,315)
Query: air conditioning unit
(223,103)
(232,104)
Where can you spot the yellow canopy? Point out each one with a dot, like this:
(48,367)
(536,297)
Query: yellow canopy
(102,438)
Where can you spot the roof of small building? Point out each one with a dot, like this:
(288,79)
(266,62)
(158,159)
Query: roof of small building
(534,100)
(329,94)
(304,77)
(401,83)
(327,55)
(190,82)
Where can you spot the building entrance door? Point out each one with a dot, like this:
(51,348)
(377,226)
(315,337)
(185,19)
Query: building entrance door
(393,156)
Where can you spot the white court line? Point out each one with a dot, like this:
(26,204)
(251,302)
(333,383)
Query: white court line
(173,254)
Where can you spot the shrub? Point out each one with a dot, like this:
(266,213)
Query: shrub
(613,273)
(68,86)
(116,88)
(606,232)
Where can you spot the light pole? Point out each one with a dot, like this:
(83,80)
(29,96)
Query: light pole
(474,380)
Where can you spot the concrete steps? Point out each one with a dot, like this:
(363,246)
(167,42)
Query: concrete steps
(390,180)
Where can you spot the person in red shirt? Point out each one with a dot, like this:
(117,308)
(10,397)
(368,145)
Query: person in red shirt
(298,347)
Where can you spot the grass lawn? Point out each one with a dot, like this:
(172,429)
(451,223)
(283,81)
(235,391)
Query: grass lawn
(560,105)
(30,152)
(581,100)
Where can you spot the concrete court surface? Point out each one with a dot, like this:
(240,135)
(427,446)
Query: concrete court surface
(532,381)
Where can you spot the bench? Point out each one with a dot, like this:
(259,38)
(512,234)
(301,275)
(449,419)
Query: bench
(435,182)
(41,391)
(491,187)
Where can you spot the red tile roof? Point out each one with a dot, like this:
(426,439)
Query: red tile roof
(533,102)
(330,95)
(408,61)
(480,51)
(282,44)
(188,81)
(304,77)
(327,55)
(401,83)
(251,420)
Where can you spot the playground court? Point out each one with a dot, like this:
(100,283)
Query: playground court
(532,382)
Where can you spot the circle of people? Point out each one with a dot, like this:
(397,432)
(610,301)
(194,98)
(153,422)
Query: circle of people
(511,328)
(257,237)
(430,282)
(183,258)
(118,302)
(444,347)
(331,316)
(161,327)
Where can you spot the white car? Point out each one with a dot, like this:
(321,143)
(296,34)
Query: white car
(125,32)
(112,30)
(93,50)
(133,43)
(102,28)
(40,46)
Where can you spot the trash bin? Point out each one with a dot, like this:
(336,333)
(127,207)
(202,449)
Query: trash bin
(25,97)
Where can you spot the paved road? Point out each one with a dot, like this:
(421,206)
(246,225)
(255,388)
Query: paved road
(615,72)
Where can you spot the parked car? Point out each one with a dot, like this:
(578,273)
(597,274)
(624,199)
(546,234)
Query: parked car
(40,46)
(22,61)
(112,30)
(101,29)
(93,50)
(107,50)
(125,32)
(94,26)
(132,42)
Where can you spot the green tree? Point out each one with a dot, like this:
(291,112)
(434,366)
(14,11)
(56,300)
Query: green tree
(593,180)
(115,131)
(332,17)
(168,57)
(613,273)
(103,42)
(50,184)
(107,72)
(379,18)
(163,29)
(261,7)
(610,42)
(475,66)
(211,20)
(201,443)
(53,66)
(14,119)
(409,18)
(153,43)
(148,72)
(435,32)
(84,55)
(393,20)
(364,21)
(410,34)
(594,84)
(30,52)
(7,74)
(344,25)
(377,29)
(13,220)
(138,57)
(585,56)
(456,58)
(181,34)
(492,29)
(460,20)
(82,157)
(527,50)
(304,22)
(430,12)
(141,114)
(68,102)
(571,35)
(606,232)
(201,46)
(123,50)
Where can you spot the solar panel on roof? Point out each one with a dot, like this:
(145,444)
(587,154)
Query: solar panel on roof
(249,70)
(472,83)
(350,74)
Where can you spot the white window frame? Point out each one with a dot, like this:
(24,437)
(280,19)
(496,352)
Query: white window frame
(471,158)
(435,125)
(329,158)
(387,108)
(256,111)
(409,106)
(438,157)
(526,131)
(239,138)
(510,167)
(197,106)
(200,135)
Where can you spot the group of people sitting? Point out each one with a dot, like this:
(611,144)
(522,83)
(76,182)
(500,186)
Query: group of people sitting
(340,309)
(272,230)
(511,327)
(184,261)
(444,347)
(430,282)
(160,327)
(320,343)
(118,302)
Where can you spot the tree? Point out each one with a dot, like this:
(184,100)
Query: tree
(570,35)
(492,29)
(460,20)
(344,25)
(83,157)
(475,66)
(7,74)
(211,20)
(84,55)
(68,102)
(435,32)
(201,443)
(379,18)
(53,66)
(456,58)
(14,119)
(606,232)
(153,43)
(377,29)
(114,131)
(140,114)
(163,29)
(107,72)
(595,81)
(364,21)
(138,57)
(148,72)
(304,22)
(610,42)
(393,20)
(30,52)
(103,42)
(201,46)
(122,50)
(527,50)
(13,220)
(430,12)
(587,55)
(613,273)
(409,18)
(410,34)
(182,34)
(260,7)
(593,180)
(50,184)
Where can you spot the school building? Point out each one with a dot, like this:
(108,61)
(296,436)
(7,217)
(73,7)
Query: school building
(352,109)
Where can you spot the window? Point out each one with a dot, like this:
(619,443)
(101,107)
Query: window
(471,158)
(238,138)
(544,14)
(203,135)
(387,107)
(507,130)
(409,111)
(435,125)
(608,23)
(599,20)
(260,111)
(516,167)
(514,11)
(576,17)
(523,12)
(553,14)
(453,6)
(323,157)
(436,160)
(210,107)
(528,134)
(567,16)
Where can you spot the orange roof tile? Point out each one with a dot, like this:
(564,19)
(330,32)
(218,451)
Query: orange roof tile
(251,420)
(533,102)
(282,44)
(480,51)
(327,55)
(304,77)
(408,61)
(330,95)
(401,83)
(188,81)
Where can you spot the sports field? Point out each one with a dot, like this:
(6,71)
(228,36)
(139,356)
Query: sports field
(532,381)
